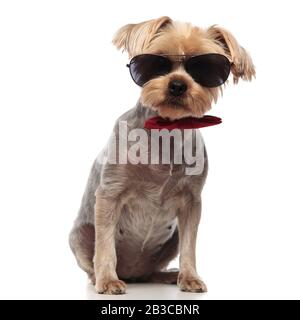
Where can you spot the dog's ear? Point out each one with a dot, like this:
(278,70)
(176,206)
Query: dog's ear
(242,65)
(135,38)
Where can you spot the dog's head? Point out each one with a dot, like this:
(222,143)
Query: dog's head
(180,67)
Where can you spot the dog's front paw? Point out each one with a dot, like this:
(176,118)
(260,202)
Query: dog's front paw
(114,286)
(191,284)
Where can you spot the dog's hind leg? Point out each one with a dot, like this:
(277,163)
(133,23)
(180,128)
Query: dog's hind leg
(167,253)
(167,277)
(82,243)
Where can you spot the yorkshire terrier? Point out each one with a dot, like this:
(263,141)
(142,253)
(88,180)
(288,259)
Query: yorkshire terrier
(136,217)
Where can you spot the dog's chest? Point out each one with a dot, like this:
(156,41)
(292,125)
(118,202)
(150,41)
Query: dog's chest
(148,219)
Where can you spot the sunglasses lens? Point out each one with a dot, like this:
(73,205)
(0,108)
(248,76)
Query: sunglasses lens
(209,70)
(145,67)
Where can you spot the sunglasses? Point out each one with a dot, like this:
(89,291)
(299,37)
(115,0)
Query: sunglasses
(209,70)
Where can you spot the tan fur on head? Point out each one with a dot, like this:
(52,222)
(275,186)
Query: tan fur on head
(164,36)
(135,38)
(242,63)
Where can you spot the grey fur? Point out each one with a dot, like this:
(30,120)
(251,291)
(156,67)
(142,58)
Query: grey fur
(146,234)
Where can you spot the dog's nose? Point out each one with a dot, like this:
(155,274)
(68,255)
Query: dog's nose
(177,88)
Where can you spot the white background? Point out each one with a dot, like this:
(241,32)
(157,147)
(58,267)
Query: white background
(63,84)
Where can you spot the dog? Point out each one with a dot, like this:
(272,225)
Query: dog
(136,217)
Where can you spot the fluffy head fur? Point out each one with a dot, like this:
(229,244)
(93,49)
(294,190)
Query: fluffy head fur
(164,36)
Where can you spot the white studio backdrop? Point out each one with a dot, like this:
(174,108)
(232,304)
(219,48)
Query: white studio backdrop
(63,84)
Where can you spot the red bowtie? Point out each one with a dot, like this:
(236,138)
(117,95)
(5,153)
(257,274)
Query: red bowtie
(184,123)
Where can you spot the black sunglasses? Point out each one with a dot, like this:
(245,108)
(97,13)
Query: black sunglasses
(208,70)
